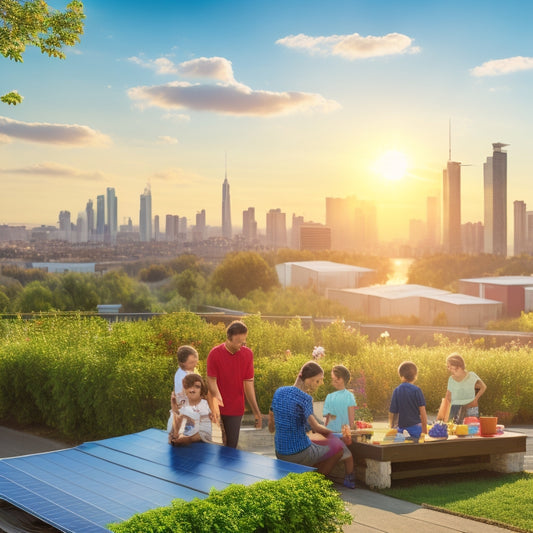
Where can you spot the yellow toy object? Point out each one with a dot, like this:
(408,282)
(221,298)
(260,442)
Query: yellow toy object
(461,430)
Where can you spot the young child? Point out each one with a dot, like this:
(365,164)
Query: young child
(339,410)
(192,423)
(187,361)
(408,404)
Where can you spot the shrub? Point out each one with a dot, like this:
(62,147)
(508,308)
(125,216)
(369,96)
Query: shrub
(298,502)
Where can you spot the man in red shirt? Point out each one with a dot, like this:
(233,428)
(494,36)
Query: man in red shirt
(230,377)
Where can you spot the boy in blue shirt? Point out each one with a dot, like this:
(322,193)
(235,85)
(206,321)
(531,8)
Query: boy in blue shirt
(408,404)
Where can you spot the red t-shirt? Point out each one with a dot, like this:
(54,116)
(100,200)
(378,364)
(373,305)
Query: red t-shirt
(231,370)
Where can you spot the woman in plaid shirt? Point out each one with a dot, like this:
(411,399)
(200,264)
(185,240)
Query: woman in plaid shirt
(291,417)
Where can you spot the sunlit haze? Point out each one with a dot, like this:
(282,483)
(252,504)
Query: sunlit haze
(303,99)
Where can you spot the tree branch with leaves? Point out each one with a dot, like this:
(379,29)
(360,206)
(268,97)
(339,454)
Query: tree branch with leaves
(35,23)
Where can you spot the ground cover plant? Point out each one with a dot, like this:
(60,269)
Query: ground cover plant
(86,378)
(504,499)
(298,502)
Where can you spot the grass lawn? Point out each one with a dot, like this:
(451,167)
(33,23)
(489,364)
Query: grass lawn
(504,498)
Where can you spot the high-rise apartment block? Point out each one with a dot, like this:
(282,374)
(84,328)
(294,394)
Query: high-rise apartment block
(89,212)
(226,210)
(145,216)
(112,214)
(249,225)
(520,228)
(472,237)
(433,222)
(100,217)
(495,193)
(199,230)
(314,236)
(276,229)
(451,207)
(297,222)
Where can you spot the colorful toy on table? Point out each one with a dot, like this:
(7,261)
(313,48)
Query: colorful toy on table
(439,430)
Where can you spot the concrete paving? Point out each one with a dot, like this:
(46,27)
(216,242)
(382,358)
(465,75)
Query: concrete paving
(372,512)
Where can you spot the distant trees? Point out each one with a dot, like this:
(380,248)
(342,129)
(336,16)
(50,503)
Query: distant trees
(242,272)
(442,271)
(34,23)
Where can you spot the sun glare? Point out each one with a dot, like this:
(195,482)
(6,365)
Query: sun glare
(392,165)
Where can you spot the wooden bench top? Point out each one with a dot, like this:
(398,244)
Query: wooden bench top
(454,446)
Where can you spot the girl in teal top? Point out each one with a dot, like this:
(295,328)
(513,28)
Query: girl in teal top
(464,389)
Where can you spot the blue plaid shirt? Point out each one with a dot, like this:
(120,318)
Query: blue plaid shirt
(291,407)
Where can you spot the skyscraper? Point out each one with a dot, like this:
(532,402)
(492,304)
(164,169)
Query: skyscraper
(100,217)
(112,214)
(433,221)
(276,229)
(451,207)
(520,227)
(297,221)
(226,210)
(249,225)
(199,230)
(495,192)
(145,216)
(89,211)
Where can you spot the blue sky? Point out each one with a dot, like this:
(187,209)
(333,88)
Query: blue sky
(304,97)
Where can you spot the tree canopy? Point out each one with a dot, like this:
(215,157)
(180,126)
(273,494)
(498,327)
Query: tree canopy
(35,23)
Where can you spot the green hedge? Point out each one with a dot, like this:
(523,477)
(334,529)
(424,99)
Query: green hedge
(86,378)
(298,502)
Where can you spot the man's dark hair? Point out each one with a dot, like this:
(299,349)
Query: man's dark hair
(236,328)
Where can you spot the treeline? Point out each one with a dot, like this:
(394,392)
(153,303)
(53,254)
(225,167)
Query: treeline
(245,281)
(443,271)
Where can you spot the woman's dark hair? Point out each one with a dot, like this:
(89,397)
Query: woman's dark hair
(190,379)
(184,352)
(310,370)
(236,328)
(342,372)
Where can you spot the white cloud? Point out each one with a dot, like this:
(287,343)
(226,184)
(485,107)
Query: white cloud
(176,117)
(61,134)
(499,67)
(53,170)
(165,139)
(234,99)
(213,68)
(352,46)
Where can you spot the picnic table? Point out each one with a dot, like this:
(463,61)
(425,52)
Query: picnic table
(378,464)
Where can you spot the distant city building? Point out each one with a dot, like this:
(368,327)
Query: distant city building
(520,228)
(295,231)
(495,194)
(529,231)
(451,208)
(145,216)
(172,227)
(82,229)
(13,233)
(249,225)
(157,234)
(100,217)
(353,224)
(112,214)
(314,236)
(226,210)
(199,230)
(65,226)
(89,212)
(276,229)
(60,268)
(472,237)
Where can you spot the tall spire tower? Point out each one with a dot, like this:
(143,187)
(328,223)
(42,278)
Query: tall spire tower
(451,202)
(226,204)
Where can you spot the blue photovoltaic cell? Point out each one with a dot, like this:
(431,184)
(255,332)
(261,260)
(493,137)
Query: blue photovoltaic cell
(82,489)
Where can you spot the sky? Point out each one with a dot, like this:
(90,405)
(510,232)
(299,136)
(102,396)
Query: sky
(294,100)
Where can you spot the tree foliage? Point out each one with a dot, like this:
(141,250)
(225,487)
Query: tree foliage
(243,272)
(35,23)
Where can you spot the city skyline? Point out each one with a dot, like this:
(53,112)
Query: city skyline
(348,99)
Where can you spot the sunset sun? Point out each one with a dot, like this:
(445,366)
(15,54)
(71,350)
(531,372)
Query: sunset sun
(392,165)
